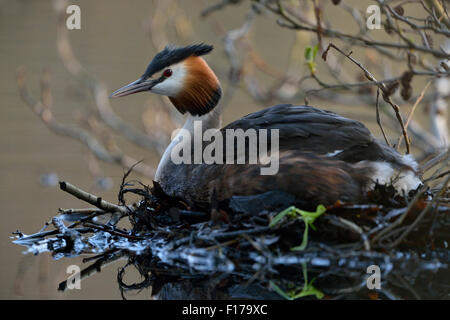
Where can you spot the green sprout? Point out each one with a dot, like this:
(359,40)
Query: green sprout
(308,219)
(307,290)
(310,56)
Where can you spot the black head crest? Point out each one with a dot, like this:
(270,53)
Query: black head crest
(173,54)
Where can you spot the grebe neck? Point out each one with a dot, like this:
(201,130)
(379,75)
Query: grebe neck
(211,120)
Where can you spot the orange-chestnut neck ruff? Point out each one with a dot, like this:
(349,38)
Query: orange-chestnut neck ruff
(201,90)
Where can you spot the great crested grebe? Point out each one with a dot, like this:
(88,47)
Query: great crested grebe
(323,157)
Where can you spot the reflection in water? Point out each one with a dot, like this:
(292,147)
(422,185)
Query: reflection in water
(181,254)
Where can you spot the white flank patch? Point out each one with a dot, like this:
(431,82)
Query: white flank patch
(403,181)
(410,161)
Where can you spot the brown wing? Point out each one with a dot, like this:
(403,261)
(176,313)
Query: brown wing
(311,179)
(308,129)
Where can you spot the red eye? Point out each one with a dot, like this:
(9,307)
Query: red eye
(167,73)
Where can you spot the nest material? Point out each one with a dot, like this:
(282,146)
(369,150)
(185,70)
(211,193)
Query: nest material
(234,250)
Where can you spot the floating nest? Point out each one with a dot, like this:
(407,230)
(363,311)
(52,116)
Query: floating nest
(259,247)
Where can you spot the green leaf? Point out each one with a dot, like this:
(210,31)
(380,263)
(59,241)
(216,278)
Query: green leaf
(310,56)
(307,290)
(308,218)
(304,243)
(278,290)
(315,50)
(281,215)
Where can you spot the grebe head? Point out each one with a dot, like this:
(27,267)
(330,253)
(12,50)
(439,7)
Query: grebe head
(181,74)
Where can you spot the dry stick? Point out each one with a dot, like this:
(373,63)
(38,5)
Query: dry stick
(377,104)
(437,176)
(410,115)
(40,235)
(349,225)
(383,241)
(317,13)
(232,234)
(113,232)
(443,156)
(91,199)
(80,211)
(348,86)
(331,33)
(432,13)
(414,129)
(421,215)
(87,218)
(415,26)
(380,85)
(283,12)
(97,266)
(419,99)
(438,8)
(399,220)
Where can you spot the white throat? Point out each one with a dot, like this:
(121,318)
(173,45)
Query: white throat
(211,120)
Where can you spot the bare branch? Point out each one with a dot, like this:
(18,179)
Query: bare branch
(379,119)
(359,40)
(92,199)
(411,113)
(98,89)
(381,86)
(76,133)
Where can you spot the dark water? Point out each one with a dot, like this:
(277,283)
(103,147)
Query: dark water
(182,254)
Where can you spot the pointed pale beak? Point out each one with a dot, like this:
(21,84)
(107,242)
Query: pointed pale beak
(136,86)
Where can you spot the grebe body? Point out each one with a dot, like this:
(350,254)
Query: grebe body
(322,156)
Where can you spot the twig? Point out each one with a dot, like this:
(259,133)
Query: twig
(113,232)
(435,202)
(92,199)
(349,225)
(232,234)
(437,176)
(97,266)
(380,85)
(399,220)
(80,211)
(377,105)
(443,156)
(410,115)
(326,32)
(415,26)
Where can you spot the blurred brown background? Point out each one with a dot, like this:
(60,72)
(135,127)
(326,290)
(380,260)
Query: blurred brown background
(115,46)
